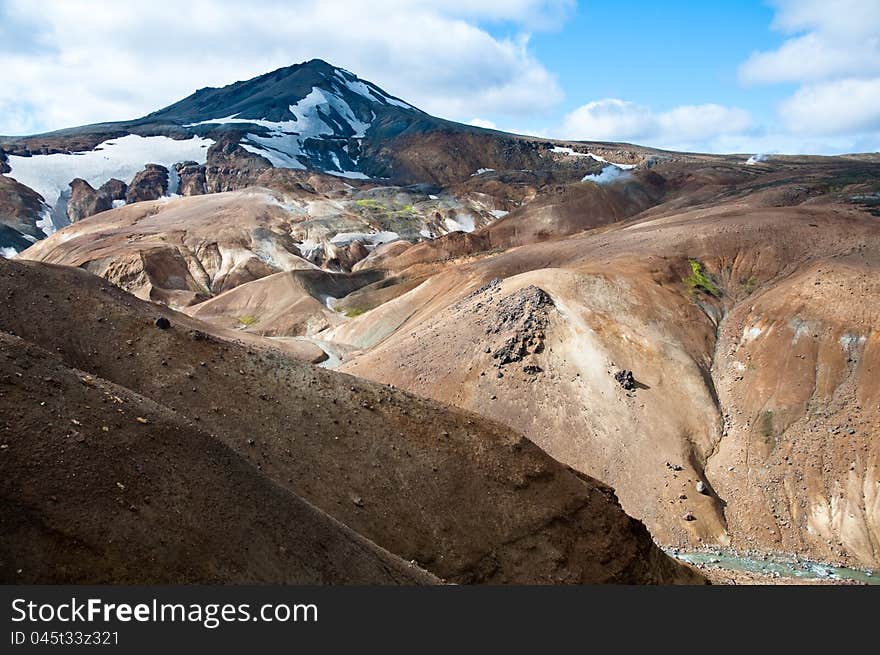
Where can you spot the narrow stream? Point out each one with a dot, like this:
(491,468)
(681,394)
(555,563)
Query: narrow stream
(779,566)
(334,354)
(333,351)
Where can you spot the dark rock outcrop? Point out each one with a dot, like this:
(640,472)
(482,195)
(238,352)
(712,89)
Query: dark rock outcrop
(523,316)
(231,167)
(150,184)
(20,209)
(85,201)
(192,179)
(342,258)
(114,189)
(625,379)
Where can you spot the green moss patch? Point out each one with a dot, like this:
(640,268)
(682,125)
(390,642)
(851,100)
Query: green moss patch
(701,281)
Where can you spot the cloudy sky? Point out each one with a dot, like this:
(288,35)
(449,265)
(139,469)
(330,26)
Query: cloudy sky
(745,76)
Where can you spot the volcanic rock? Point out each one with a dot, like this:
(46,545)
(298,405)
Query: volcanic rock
(150,184)
(85,201)
(192,179)
(625,379)
(230,167)
(114,189)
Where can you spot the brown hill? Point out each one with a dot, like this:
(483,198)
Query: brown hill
(665,296)
(469,500)
(103,486)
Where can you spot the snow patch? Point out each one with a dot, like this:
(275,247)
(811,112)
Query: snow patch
(316,115)
(232,259)
(44,222)
(572,153)
(599,158)
(568,151)
(371,238)
(480,171)
(369,92)
(849,341)
(8,253)
(751,333)
(275,256)
(351,175)
(308,248)
(800,327)
(123,158)
(757,159)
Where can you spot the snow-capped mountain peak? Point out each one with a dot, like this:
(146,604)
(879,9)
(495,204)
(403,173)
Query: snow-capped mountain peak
(307,116)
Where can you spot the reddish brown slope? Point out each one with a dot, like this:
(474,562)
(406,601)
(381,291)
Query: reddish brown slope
(101,485)
(466,498)
(620,301)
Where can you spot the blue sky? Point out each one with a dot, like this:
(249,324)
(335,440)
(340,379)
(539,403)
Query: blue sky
(663,55)
(739,76)
(660,53)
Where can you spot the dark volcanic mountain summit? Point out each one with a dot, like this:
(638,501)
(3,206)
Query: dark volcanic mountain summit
(270,96)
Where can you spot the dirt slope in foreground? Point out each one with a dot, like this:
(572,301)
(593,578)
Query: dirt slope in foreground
(101,485)
(467,499)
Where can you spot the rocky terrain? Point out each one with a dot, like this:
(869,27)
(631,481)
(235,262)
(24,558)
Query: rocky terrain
(656,363)
(698,332)
(466,499)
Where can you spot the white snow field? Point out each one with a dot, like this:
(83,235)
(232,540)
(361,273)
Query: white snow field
(123,158)
(568,151)
(372,239)
(367,91)
(284,145)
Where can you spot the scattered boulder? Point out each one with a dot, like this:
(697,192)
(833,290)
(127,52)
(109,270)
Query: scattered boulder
(625,379)
(150,184)
(524,313)
(701,487)
(689,517)
(491,285)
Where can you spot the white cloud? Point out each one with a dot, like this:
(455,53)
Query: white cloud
(827,40)
(833,54)
(96,60)
(481,122)
(838,107)
(681,128)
